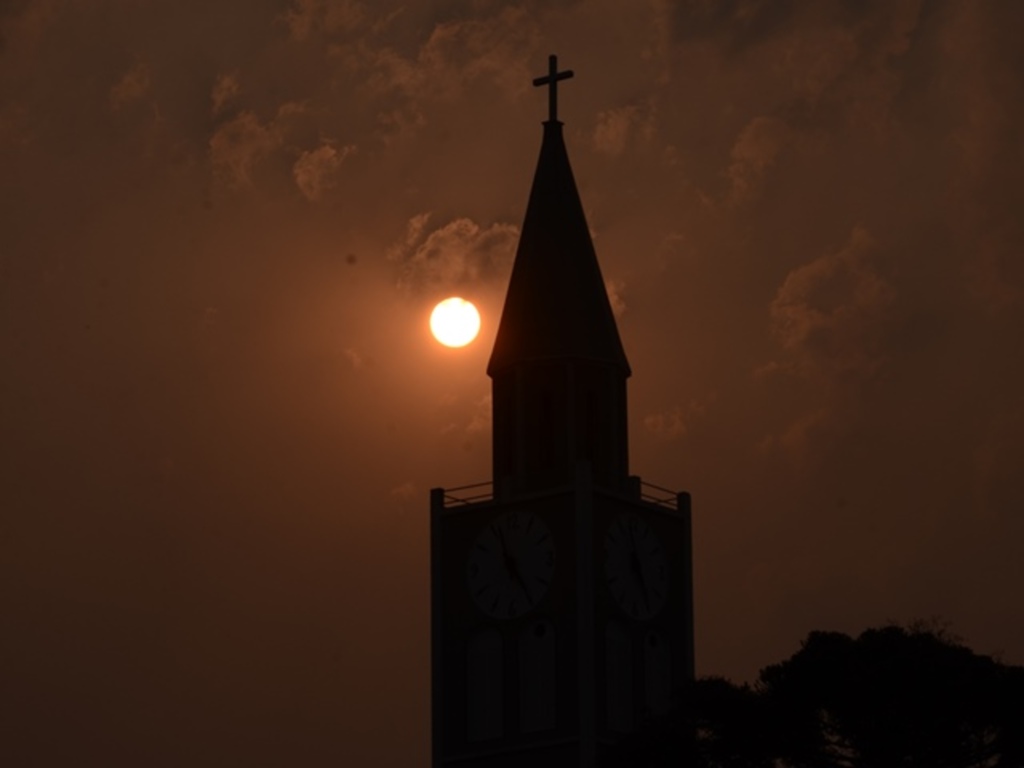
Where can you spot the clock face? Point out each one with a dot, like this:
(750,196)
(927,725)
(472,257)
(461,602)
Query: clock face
(510,565)
(636,567)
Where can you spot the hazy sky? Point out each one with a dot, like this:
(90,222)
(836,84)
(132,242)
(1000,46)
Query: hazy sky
(224,225)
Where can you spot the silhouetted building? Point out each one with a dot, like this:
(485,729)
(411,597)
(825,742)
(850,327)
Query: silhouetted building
(562,608)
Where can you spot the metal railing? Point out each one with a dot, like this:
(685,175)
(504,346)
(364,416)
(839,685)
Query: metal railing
(480,492)
(476,493)
(655,494)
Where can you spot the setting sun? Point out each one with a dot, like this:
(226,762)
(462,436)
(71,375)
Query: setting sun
(455,322)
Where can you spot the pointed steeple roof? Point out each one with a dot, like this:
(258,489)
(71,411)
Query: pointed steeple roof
(556,306)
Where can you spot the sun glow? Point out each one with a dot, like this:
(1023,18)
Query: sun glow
(455,322)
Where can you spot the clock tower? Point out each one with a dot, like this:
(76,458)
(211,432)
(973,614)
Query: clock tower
(562,598)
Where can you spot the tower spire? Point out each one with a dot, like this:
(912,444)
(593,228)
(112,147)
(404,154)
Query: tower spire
(557,351)
(556,306)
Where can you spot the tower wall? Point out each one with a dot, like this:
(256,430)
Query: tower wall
(605,670)
(549,416)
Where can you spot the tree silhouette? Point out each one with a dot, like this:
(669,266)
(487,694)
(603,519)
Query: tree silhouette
(890,697)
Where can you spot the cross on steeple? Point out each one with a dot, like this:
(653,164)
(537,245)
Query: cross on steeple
(551,80)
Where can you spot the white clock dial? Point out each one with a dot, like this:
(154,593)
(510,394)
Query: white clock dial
(510,565)
(636,567)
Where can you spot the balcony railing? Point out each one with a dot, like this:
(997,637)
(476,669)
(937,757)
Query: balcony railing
(476,493)
(469,494)
(655,494)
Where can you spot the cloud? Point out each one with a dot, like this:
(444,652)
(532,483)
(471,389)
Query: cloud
(616,126)
(459,253)
(660,46)
(305,17)
(240,143)
(828,314)
(616,290)
(355,359)
(27,25)
(994,467)
(413,233)
(743,23)
(667,424)
(131,87)
(754,153)
(224,89)
(313,170)
(675,422)
(405,491)
(801,434)
(990,281)
(457,53)
(480,421)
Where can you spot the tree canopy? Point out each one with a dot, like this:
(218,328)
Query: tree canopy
(892,696)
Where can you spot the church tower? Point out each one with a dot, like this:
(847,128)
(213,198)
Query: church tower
(562,599)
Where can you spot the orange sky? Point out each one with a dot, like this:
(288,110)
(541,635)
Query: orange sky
(224,226)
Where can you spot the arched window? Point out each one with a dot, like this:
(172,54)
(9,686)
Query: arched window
(484,677)
(592,432)
(657,673)
(537,676)
(547,437)
(619,677)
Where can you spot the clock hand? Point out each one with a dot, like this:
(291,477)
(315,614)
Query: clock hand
(637,568)
(501,540)
(511,567)
(522,583)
